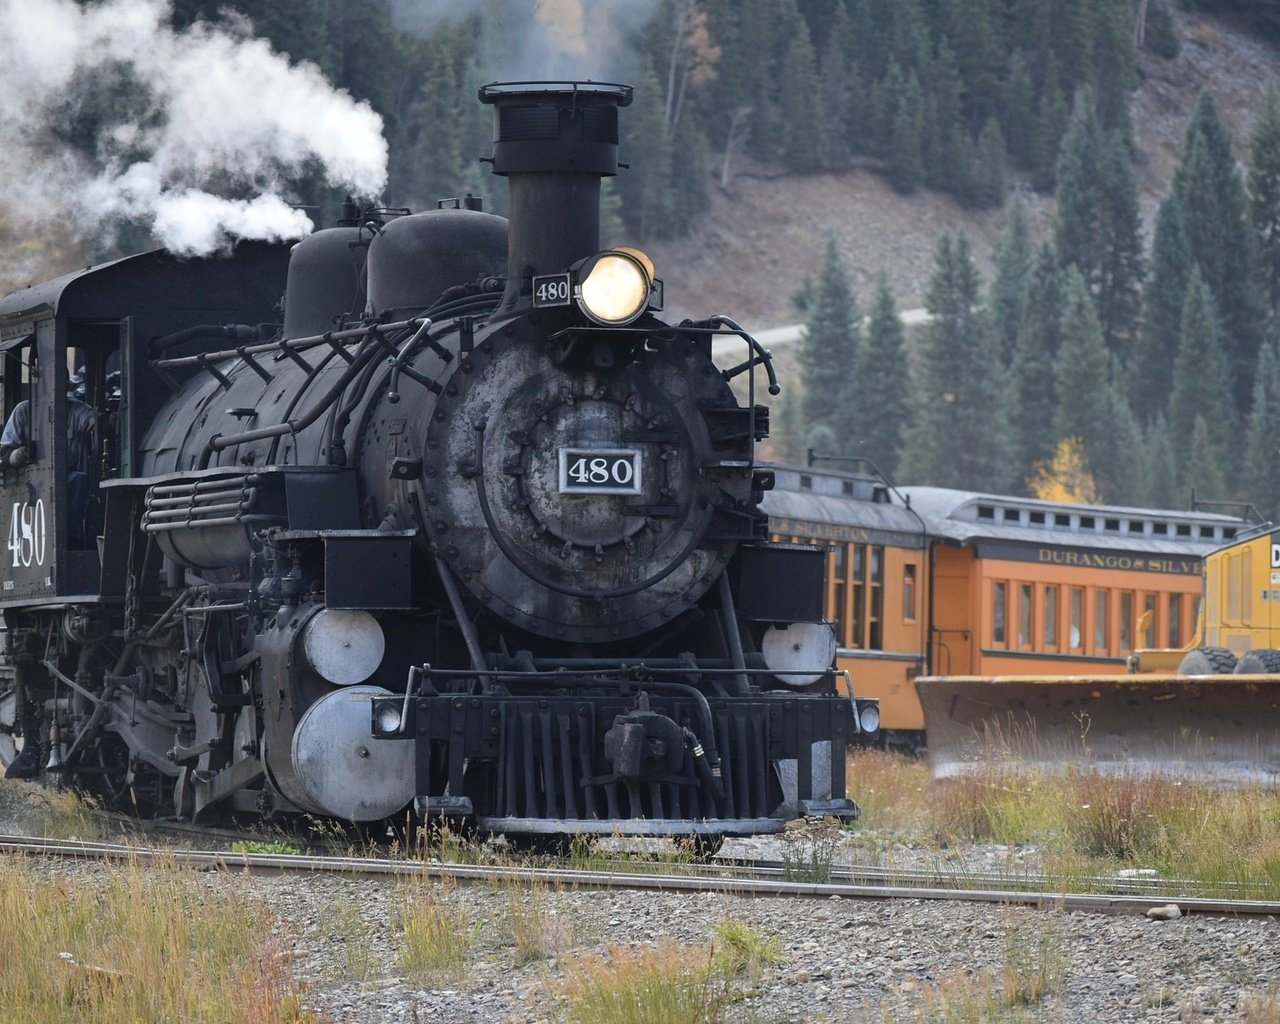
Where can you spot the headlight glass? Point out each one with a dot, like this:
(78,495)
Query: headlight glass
(869,717)
(388,720)
(615,290)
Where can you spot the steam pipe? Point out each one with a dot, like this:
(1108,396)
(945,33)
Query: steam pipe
(237,332)
(220,441)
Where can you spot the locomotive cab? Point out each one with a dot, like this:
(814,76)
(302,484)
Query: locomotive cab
(54,456)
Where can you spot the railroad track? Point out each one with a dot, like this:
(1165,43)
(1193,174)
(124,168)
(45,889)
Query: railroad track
(760,879)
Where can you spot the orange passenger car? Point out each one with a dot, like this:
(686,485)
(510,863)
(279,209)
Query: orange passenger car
(927,580)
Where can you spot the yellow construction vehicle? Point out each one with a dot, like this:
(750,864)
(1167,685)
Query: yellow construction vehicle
(1209,710)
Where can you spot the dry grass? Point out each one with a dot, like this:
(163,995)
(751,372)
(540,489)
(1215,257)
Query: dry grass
(1085,825)
(810,848)
(437,932)
(153,944)
(742,949)
(349,927)
(890,789)
(1035,961)
(63,813)
(533,928)
(1034,967)
(643,986)
(1262,1007)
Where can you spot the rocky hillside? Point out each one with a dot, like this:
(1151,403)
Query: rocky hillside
(764,234)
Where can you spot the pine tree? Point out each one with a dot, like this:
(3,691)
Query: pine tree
(1261,482)
(1120,272)
(612,228)
(986,182)
(1151,371)
(787,435)
(1160,466)
(1121,466)
(974,28)
(299,28)
(725,107)
(429,162)
(836,88)
(1073,35)
(1078,228)
(906,167)
(1216,217)
(1013,269)
(1162,32)
(880,384)
(1203,474)
(1034,396)
(1201,384)
(367,49)
(1051,118)
(829,348)
(1099,225)
(1018,109)
(648,204)
(759,34)
(944,125)
(690,159)
(1081,374)
(798,106)
(1114,64)
(958,434)
(1264,195)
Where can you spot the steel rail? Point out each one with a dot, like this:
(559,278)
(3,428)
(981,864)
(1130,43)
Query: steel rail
(754,885)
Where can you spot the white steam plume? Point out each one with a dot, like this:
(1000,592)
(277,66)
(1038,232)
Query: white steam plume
(207,110)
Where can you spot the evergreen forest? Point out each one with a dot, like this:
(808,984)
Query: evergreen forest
(1090,365)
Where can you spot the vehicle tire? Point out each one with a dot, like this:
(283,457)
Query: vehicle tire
(1262,662)
(1208,661)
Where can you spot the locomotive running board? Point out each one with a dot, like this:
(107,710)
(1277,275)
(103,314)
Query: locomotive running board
(1222,729)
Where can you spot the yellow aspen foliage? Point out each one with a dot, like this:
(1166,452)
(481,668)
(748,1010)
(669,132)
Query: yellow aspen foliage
(1066,477)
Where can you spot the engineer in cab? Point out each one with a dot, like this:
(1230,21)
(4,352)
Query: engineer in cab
(16,449)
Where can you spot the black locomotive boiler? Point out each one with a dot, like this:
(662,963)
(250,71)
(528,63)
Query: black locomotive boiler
(472,533)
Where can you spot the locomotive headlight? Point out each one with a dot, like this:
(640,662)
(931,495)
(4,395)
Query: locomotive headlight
(386,719)
(868,715)
(612,288)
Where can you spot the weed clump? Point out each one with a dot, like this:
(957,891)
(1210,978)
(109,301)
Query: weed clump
(437,933)
(644,986)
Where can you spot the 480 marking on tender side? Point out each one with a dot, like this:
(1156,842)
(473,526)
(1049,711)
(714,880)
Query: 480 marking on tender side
(27,534)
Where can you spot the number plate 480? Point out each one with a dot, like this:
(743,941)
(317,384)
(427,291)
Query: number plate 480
(27,534)
(600,471)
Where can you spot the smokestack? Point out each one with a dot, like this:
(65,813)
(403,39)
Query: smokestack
(553,141)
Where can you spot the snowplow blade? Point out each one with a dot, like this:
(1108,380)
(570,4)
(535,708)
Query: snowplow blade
(1223,729)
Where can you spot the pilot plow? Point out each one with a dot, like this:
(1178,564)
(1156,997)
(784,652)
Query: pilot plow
(1222,729)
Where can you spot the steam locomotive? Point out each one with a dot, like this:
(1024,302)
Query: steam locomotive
(471,534)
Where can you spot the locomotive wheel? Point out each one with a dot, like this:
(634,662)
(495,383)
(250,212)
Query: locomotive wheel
(8,722)
(110,783)
(1208,661)
(1264,661)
